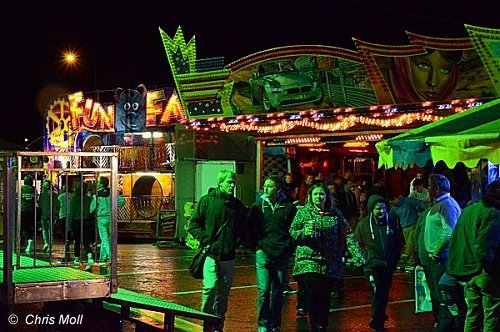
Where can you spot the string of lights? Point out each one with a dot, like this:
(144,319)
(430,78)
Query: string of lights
(337,119)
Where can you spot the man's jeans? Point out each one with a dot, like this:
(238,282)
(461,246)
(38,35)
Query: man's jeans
(410,245)
(272,280)
(483,300)
(217,281)
(103,224)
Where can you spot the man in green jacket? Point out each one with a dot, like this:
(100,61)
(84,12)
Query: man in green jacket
(210,215)
(474,258)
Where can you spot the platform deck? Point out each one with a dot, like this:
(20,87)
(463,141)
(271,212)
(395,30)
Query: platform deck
(37,281)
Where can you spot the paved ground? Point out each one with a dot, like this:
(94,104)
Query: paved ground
(162,272)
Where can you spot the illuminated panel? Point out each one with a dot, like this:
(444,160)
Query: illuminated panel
(487,44)
(90,114)
(107,118)
(163,108)
(76,110)
(173,110)
(154,105)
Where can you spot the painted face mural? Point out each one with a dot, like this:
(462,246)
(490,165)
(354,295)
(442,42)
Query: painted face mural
(431,75)
(130,110)
(425,77)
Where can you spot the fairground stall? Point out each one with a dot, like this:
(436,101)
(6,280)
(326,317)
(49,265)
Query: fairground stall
(137,125)
(471,138)
(314,109)
(307,109)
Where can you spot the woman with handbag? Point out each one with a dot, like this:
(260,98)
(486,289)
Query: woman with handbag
(218,222)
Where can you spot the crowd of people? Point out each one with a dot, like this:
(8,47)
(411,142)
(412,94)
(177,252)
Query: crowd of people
(77,213)
(316,225)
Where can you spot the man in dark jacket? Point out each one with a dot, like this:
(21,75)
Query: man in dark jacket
(28,198)
(474,258)
(79,219)
(269,220)
(382,240)
(218,209)
(49,207)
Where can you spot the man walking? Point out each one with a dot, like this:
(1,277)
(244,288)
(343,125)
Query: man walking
(439,224)
(475,258)
(101,204)
(269,220)
(218,210)
(407,209)
(49,207)
(379,235)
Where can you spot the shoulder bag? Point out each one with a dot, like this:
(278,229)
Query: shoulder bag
(196,266)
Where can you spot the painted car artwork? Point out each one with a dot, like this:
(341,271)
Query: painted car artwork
(280,83)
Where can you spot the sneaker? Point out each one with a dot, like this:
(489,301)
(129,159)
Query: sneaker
(90,260)
(301,312)
(29,247)
(45,247)
(409,269)
(77,260)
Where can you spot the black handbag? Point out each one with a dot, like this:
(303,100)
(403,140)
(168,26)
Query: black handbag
(196,266)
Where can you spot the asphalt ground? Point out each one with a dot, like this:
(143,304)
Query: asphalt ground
(162,272)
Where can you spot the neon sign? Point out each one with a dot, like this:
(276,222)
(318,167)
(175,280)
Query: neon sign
(90,115)
(67,116)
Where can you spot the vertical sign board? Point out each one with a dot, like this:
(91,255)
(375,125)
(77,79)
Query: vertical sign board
(206,174)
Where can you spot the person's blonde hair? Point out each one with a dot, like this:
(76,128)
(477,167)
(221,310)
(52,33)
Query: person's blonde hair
(225,174)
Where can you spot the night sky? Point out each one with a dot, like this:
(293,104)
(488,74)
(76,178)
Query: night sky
(120,45)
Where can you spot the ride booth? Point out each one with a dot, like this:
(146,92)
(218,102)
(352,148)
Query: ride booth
(138,125)
(321,109)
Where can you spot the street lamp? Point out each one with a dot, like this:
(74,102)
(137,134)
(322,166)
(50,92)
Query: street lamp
(71,59)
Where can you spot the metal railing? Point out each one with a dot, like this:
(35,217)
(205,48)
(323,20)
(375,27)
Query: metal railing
(134,158)
(144,207)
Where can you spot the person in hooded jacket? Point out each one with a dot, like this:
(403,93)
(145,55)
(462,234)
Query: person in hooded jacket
(381,238)
(79,218)
(269,222)
(28,205)
(101,206)
(211,214)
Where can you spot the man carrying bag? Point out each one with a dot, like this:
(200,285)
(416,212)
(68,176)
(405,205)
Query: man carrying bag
(196,266)
(218,221)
